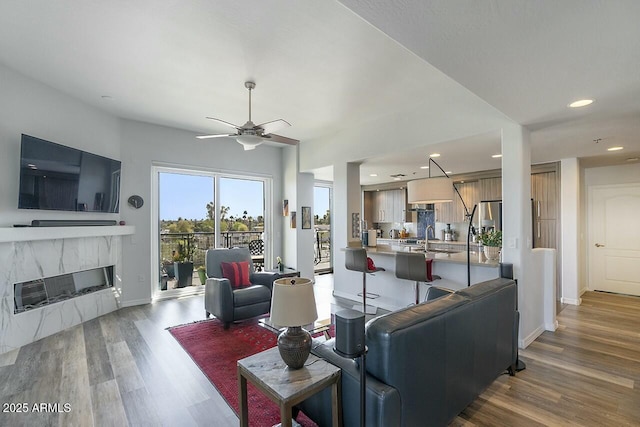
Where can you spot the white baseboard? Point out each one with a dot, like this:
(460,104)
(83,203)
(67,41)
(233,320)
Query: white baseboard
(551,326)
(531,337)
(132,303)
(571,301)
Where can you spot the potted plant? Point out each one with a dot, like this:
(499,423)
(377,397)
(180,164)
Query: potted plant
(182,264)
(492,244)
(202,273)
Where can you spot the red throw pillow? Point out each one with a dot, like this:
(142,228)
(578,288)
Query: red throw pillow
(370,265)
(237,273)
(429,265)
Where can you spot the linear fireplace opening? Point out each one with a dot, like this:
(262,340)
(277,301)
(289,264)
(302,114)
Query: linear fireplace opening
(49,290)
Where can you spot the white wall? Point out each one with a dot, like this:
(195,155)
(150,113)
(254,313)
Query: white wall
(517,238)
(570,237)
(33,108)
(145,144)
(27,106)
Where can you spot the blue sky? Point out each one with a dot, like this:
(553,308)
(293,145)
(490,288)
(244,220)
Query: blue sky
(187,196)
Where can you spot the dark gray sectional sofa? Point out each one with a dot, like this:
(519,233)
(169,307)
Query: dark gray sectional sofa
(426,363)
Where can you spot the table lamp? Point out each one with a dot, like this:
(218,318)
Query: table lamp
(293,305)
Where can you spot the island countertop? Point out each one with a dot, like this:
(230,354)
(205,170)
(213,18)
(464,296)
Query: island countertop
(458,257)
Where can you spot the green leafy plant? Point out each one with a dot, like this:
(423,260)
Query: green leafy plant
(491,238)
(184,252)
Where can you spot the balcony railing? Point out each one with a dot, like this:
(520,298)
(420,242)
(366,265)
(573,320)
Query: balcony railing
(201,241)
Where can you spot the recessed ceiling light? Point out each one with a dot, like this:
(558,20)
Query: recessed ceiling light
(373,174)
(497,156)
(581,103)
(424,167)
(615,148)
(448,172)
(396,178)
(434,155)
(632,159)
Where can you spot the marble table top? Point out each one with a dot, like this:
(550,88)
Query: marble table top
(268,370)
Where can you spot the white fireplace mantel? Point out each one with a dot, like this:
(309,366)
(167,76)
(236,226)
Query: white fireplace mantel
(27,234)
(32,253)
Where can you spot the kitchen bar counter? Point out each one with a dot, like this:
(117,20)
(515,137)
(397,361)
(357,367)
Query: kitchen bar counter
(458,257)
(396,293)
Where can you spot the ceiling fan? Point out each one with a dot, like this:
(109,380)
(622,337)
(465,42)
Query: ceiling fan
(251,135)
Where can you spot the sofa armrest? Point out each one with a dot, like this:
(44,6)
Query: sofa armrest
(218,298)
(436,292)
(264,278)
(383,401)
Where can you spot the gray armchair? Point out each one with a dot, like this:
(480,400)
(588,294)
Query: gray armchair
(229,304)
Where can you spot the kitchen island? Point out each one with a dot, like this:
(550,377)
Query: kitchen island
(396,293)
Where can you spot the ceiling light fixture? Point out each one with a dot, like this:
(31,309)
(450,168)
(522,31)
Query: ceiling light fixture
(581,103)
(615,148)
(437,190)
(424,167)
(373,174)
(434,155)
(249,142)
(497,156)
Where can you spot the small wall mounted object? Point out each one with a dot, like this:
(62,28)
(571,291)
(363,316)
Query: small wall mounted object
(306,217)
(285,207)
(135,201)
(293,219)
(355,225)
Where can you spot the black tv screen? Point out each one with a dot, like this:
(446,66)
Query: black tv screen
(55,177)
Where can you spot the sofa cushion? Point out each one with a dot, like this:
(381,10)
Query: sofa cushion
(237,273)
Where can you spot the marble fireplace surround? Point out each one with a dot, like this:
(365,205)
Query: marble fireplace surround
(38,252)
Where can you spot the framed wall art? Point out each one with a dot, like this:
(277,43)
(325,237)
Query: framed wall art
(306,217)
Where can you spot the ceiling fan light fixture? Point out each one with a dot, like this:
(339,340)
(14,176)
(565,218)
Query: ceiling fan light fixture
(249,142)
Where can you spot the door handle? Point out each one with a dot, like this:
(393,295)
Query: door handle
(598,245)
(538,229)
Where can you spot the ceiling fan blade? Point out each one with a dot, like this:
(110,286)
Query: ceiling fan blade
(224,123)
(281,139)
(221,135)
(273,126)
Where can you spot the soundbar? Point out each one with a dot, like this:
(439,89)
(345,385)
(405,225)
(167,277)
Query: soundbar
(71,222)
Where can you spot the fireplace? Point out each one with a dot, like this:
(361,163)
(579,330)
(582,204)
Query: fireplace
(53,278)
(50,290)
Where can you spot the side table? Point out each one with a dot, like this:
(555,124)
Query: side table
(287,387)
(287,272)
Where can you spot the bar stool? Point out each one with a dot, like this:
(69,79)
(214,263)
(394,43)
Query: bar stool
(356,260)
(414,266)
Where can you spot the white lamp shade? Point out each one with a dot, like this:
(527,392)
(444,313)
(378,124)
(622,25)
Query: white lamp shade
(293,304)
(249,142)
(430,190)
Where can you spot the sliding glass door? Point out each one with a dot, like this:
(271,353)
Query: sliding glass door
(198,210)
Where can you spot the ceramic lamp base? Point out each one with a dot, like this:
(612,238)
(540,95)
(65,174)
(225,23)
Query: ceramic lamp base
(294,344)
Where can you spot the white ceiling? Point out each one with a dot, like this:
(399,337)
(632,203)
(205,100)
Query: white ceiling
(324,68)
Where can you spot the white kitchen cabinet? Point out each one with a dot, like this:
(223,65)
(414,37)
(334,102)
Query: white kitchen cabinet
(385,206)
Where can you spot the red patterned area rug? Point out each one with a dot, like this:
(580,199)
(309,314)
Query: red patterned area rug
(216,352)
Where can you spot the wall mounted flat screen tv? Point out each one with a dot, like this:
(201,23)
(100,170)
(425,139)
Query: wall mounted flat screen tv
(56,177)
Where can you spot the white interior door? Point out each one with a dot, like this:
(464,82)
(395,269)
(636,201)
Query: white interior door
(614,238)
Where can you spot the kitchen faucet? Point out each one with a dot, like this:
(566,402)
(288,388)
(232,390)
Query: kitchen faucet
(426,236)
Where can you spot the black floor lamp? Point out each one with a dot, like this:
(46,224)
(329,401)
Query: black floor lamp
(440,189)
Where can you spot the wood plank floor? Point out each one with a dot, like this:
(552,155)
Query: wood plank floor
(125,369)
